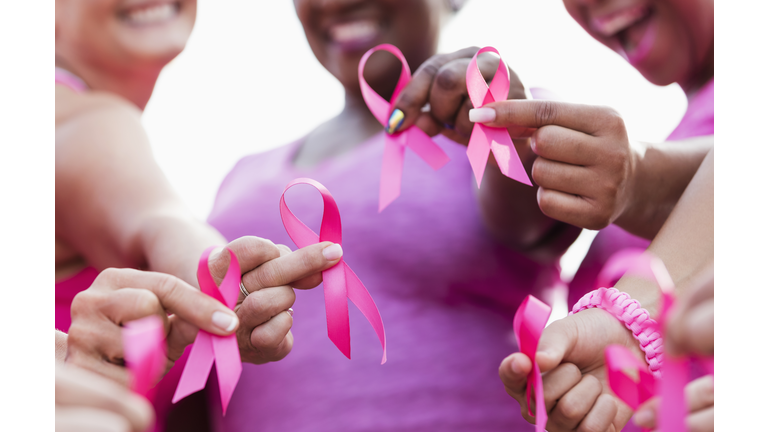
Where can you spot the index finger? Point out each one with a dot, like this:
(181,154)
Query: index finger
(416,94)
(514,373)
(589,119)
(292,267)
(179,298)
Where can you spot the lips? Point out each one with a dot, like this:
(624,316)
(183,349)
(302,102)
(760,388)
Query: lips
(150,13)
(612,24)
(354,34)
(631,29)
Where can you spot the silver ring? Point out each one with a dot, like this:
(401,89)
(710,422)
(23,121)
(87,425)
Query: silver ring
(243,290)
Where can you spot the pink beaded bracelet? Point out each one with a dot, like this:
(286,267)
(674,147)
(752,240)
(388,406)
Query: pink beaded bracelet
(633,316)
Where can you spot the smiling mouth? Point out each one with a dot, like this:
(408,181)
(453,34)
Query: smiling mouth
(150,14)
(354,32)
(618,23)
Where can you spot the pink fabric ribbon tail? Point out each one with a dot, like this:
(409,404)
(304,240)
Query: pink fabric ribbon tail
(529,322)
(485,139)
(209,348)
(395,144)
(339,281)
(145,353)
(674,371)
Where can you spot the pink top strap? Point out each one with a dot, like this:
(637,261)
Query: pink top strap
(68,79)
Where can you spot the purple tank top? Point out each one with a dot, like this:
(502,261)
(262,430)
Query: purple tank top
(446,290)
(699,120)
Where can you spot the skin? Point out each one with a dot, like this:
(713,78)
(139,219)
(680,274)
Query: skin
(587,172)
(413,26)
(106,214)
(570,351)
(86,402)
(690,330)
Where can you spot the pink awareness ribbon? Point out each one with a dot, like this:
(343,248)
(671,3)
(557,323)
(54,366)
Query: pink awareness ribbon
(339,281)
(529,322)
(485,139)
(145,353)
(209,348)
(675,371)
(395,144)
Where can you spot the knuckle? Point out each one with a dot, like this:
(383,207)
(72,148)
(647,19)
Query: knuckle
(431,66)
(569,409)
(545,113)
(449,78)
(108,274)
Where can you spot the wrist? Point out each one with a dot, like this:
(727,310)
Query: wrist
(633,316)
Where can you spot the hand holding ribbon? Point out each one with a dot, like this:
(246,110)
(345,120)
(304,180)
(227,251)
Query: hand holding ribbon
(209,348)
(675,371)
(484,138)
(339,281)
(529,322)
(145,353)
(395,144)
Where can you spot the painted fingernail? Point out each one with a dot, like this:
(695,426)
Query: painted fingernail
(395,121)
(482,115)
(224,321)
(644,417)
(333,252)
(290,311)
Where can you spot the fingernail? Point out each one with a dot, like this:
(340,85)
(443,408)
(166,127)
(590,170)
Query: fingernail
(643,417)
(395,121)
(333,252)
(290,311)
(224,321)
(482,115)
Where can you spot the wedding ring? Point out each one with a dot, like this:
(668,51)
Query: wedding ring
(243,290)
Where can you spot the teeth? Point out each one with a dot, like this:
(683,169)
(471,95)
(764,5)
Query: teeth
(616,22)
(151,15)
(353,31)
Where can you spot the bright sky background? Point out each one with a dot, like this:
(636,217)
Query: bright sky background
(248,82)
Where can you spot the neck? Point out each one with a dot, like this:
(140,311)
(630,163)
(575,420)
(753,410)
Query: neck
(356,110)
(702,76)
(135,86)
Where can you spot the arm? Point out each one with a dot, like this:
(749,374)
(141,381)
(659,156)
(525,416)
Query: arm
(113,203)
(571,350)
(588,173)
(509,209)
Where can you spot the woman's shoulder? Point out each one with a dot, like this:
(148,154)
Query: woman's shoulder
(87,106)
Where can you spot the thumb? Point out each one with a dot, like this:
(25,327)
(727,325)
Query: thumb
(556,343)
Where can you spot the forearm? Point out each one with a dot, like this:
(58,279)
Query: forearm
(173,242)
(685,242)
(511,213)
(663,171)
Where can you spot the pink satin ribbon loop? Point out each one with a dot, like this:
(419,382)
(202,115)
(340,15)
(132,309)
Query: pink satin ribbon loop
(209,348)
(145,353)
(394,145)
(486,139)
(339,281)
(633,392)
(529,322)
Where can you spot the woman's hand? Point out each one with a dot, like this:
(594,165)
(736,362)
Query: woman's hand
(441,82)
(88,402)
(700,399)
(585,166)
(270,272)
(571,357)
(117,296)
